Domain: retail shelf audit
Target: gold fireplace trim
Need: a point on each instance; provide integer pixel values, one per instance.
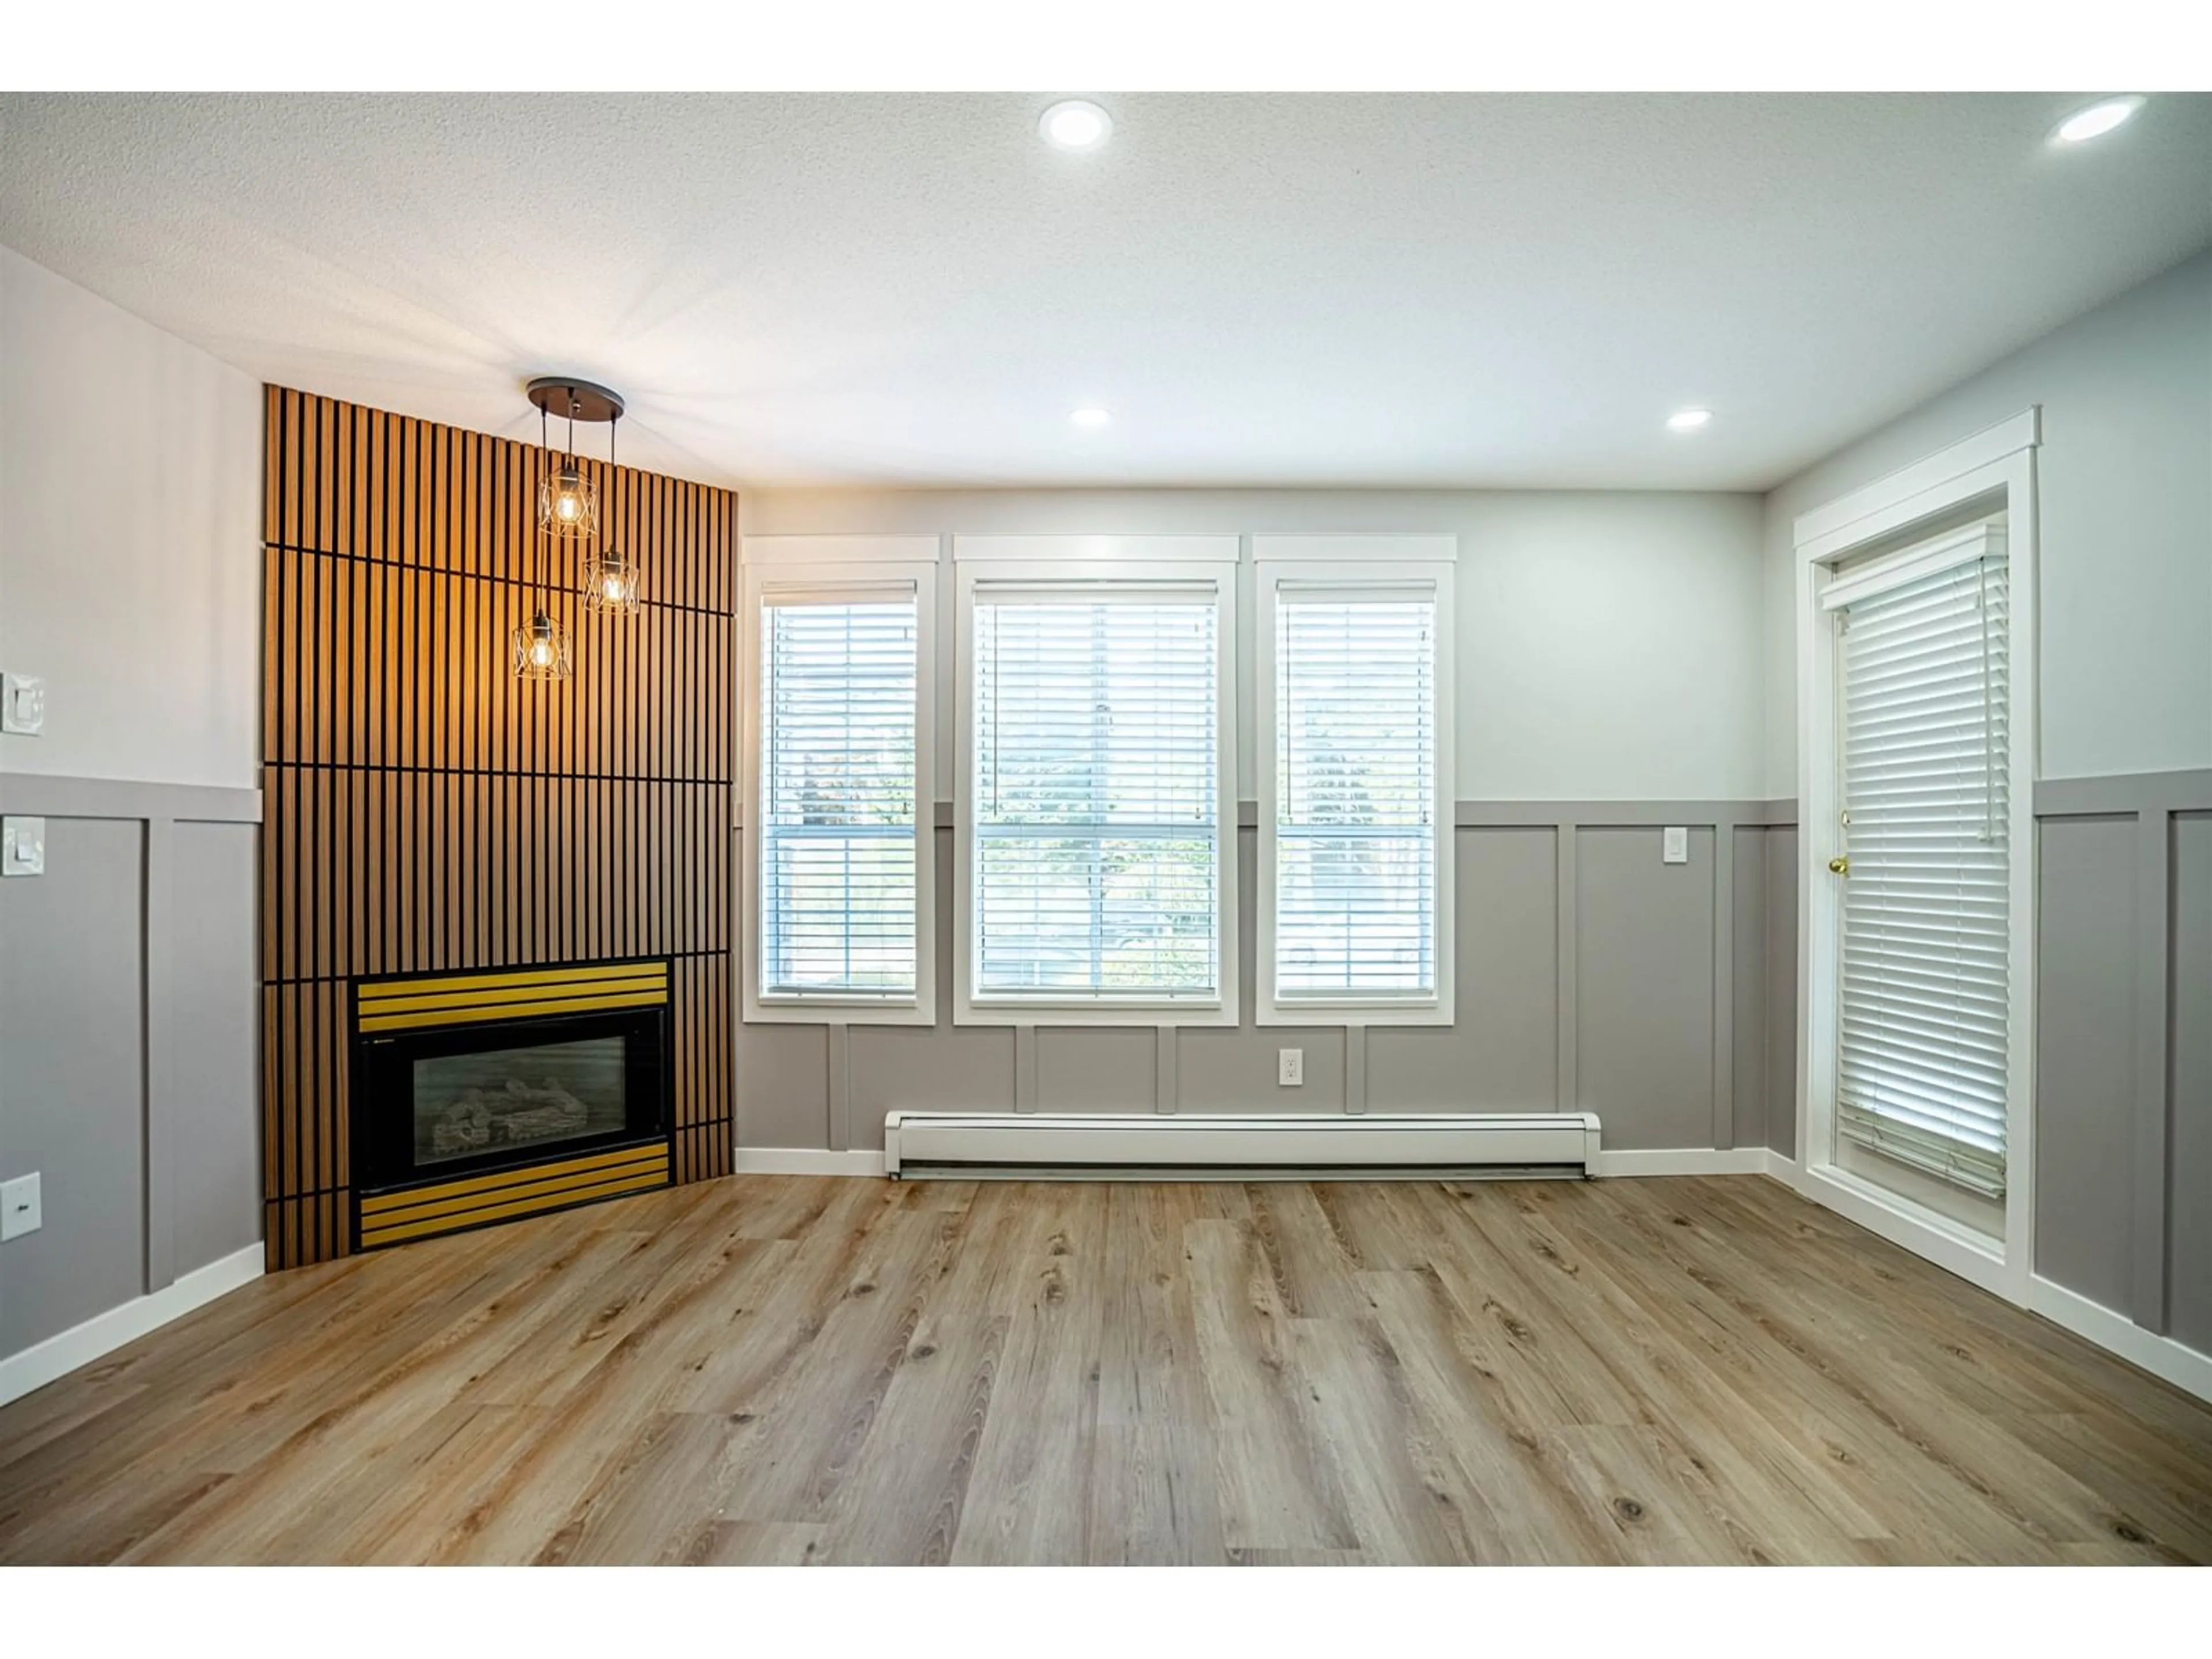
(451, 1205)
(466, 999)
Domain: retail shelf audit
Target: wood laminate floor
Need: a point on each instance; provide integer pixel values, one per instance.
(775, 1369)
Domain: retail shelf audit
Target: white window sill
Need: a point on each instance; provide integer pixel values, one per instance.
(1094, 1013)
(837, 1010)
(1422, 1012)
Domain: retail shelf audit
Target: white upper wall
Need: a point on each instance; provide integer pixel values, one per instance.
(129, 540)
(1608, 643)
(2123, 490)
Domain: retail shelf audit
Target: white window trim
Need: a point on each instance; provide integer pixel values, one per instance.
(1104, 550)
(1351, 560)
(825, 564)
(1997, 464)
(1046, 559)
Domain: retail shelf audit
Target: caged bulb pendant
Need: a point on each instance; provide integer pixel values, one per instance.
(610, 575)
(541, 649)
(610, 584)
(567, 506)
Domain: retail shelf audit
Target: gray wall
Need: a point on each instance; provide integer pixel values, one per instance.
(2124, 878)
(1608, 643)
(1607, 647)
(1590, 976)
(126, 1045)
(129, 540)
(2123, 508)
(2124, 1046)
(130, 579)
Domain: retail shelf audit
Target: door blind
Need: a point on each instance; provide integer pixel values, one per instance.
(1096, 793)
(1923, 1070)
(1355, 794)
(837, 796)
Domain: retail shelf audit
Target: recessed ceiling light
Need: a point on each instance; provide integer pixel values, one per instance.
(1075, 123)
(2097, 121)
(1688, 420)
(1091, 417)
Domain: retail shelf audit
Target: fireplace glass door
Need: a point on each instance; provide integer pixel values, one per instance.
(533, 1096)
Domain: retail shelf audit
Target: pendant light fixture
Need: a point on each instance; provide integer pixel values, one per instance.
(610, 574)
(568, 512)
(568, 501)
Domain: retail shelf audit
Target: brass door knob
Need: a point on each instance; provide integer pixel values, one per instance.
(1841, 866)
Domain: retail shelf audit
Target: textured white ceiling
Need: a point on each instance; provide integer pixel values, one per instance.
(1264, 289)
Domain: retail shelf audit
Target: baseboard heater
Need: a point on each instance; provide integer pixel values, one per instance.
(1369, 1147)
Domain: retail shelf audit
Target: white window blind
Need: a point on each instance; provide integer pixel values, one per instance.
(1923, 1067)
(837, 790)
(1355, 793)
(1096, 792)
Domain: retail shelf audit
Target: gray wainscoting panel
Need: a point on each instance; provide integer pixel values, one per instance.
(928, 1068)
(208, 1095)
(783, 1086)
(72, 1077)
(1225, 1071)
(1501, 1054)
(1747, 1080)
(2189, 1287)
(1094, 1068)
(2086, 1044)
(1781, 977)
(1644, 949)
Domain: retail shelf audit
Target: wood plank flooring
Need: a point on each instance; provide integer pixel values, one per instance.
(771, 1368)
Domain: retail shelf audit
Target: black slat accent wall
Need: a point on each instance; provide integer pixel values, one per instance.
(424, 809)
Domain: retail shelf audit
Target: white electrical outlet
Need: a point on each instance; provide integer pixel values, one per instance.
(1674, 844)
(23, 847)
(1291, 1067)
(19, 1206)
(22, 704)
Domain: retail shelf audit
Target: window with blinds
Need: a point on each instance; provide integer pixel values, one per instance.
(1096, 797)
(1355, 793)
(837, 794)
(1923, 1056)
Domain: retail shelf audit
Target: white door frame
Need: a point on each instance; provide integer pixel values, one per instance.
(1999, 463)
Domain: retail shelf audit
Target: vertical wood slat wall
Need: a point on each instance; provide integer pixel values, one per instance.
(425, 810)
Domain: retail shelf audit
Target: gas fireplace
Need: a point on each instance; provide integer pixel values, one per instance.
(483, 1098)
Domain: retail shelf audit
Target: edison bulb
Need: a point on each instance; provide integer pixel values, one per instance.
(611, 588)
(568, 507)
(541, 653)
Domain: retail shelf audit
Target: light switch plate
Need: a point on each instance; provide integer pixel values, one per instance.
(1291, 1067)
(23, 847)
(1674, 844)
(20, 1210)
(22, 704)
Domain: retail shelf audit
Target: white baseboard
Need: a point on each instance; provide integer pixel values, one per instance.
(1784, 1167)
(805, 1161)
(1690, 1160)
(2162, 1356)
(1683, 1161)
(57, 1356)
